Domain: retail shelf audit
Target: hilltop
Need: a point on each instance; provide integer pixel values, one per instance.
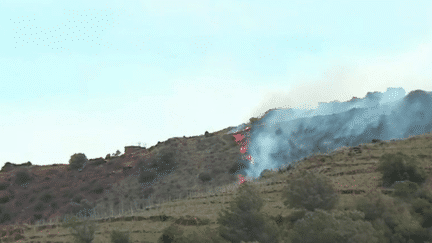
(196, 164)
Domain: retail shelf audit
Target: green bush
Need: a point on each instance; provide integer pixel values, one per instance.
(235, 167)
(97, 189)
(400, 167)
(77, 161)
(296, 215)
(120, 237)
(163, 162)
(54, 205)
(77, 199)
(423, 208)
(4, 199)
(117, 153)
(204, 177)
(98, 162)
(171, 234)
(310, 191)
(206, 235)
(243, 220)
(3, 186)
(372, 205)
(37, 216)
(39, 207)
(146, 176)
(82, 231)
(322, 226)
(22, 177)
(46, 198)
(32, 199)
(405, 189)
(266, 174)
(399, 219)
(5, 217)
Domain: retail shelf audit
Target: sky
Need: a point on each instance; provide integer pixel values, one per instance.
(93, 77)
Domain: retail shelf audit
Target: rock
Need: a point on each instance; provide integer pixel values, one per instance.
(8, 166)
(206, 134)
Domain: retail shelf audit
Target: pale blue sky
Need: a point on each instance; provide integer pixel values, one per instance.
(92, 77)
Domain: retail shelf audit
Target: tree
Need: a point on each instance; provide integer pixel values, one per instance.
(243, 221)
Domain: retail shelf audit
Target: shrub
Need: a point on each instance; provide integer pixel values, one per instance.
(296, 215)
(77, 161)
(54, 205)
(37, 216)
(403, 224)
(3, 186)
(77, 199)
(99, 162)
(286, 169)
(97, 189)
(117, 153)
(244, 222)
(81, 231)
(4, 199)
(400, 167)
(22, 177)
(146, 177)
(266, 173)
(310, 191)
(323, 226)
(235, 167)
(423, 208)
(204, 177)
(163, 162)
(405, 189)
(372, 205)
(171, 234)
(46, 198)
(120, 237)
(39, 207)
(205, 235)
(5, 217)
(83, 210)
(18, 203)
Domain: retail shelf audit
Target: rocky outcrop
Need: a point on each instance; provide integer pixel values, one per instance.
(10, 166)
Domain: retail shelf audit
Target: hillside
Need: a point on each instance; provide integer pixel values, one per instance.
(191, 169)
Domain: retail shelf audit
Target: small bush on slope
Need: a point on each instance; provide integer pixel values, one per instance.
(171, 234)
(175, 233)
(392, 216)
(120, 237)
(322, 226)
(243, 221)
(82, 232)
(77, 161)
(400, 167)
(310, 191)
(22, 177)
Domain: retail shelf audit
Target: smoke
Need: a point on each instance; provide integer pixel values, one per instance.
(283, 136)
